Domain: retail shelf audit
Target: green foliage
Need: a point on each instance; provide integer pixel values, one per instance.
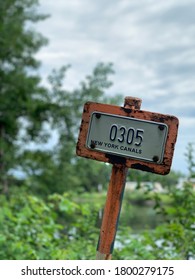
(32, 228)
(190, 160)
(60, 170)
(174, 237)
(65, 227)
(132, 246)
(38, 108)
(21, 96)
(178, 233)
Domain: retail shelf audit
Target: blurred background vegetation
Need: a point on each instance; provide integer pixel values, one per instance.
(50, 200)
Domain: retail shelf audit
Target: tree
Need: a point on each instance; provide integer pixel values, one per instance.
(190, 160)
(166, 181)
(26, 107)
(21, 96)
(59, 169)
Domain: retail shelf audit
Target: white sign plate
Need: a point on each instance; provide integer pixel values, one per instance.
(127, 137)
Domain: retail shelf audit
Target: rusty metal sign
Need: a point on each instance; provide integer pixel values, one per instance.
(126, 137)
(135, 138)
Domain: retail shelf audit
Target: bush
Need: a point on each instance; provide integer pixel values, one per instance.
(32, 228)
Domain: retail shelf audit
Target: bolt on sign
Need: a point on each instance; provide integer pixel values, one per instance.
(126, 137)
(136, 138)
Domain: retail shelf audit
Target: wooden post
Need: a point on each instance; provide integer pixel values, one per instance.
(114, 200)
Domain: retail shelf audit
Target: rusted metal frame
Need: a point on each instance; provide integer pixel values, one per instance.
(133, 112)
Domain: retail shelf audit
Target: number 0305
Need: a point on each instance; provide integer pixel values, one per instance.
(129, 136)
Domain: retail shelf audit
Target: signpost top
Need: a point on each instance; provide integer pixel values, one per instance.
(126, 135)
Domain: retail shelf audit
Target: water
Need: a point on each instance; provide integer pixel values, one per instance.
(138, 217)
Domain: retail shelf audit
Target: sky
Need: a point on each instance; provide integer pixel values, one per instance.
(150, 43)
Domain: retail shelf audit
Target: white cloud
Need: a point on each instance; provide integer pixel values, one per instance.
(151, 44)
